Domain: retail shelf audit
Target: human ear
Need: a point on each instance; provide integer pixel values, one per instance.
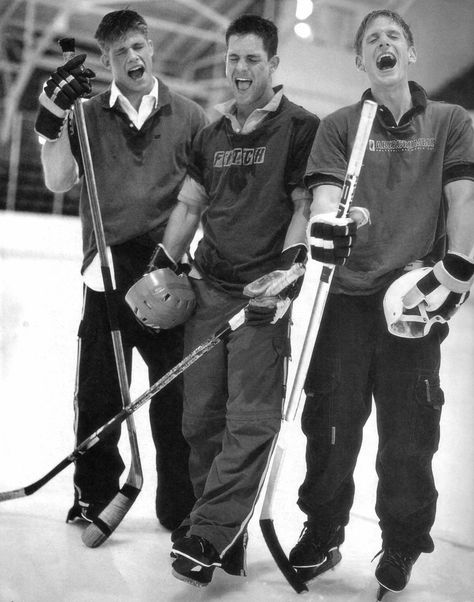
(359, 64)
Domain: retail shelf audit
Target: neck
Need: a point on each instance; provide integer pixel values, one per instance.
(397, 99)
(135, 97)
(243, 111)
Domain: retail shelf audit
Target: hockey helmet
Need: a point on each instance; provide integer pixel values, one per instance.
(409, 323)
(161, 299)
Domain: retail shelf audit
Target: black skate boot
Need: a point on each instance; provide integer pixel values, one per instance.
(394, 569)
(196, 559)
(316, 551)
(85, 512)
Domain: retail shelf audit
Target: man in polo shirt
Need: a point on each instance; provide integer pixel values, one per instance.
(375, 339)
(139, 133)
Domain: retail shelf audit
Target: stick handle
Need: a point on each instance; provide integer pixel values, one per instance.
(68, 48)
(369, 109)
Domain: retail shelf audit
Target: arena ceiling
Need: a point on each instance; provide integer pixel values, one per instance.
(189, 47)
(187, 36)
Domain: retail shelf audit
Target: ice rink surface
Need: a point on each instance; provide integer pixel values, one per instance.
(42, 559)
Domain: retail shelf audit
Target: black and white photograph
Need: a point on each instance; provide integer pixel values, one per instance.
(236, 321)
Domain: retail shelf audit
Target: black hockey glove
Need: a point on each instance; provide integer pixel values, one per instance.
(273, 293)
(68, 83)
(331, 238)
(444, 288)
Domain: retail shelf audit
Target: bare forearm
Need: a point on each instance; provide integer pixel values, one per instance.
(460, 223)
(296, 233)
(325, 199)
(182, 225)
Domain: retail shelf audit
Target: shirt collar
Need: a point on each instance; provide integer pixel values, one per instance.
(229, 108)
(418, 98)
(115, 93)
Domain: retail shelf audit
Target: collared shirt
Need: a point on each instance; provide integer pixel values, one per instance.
(229, 110)
(148, 103)
(92, 274)
(193, 193)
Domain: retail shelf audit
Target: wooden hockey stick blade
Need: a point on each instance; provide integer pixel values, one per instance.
(109, 519)
(269, 535)
(232, 324)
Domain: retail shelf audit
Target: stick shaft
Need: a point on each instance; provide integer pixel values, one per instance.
(106, 428)
(266, 517)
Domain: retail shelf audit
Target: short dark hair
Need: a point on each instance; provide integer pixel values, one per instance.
(263, 28)
(384, 12)
(118, 23)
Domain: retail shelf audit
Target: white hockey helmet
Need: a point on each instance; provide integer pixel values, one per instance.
(410, 323)
(161, 299)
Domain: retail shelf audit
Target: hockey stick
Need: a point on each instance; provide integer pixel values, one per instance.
(232, 324)
(134, 482)
(267, 527)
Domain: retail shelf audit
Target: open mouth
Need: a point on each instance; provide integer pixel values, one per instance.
(136, 72)
(243, 84)
(386, 61)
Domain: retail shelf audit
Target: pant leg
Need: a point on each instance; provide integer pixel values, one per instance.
(241, 434)
(174, 495)
(409, 401)
(205, 382)
(338, 403)
(97, 399)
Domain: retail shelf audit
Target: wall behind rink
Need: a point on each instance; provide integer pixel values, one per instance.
(40, 305)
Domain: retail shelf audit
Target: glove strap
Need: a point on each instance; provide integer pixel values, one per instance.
(455, 272)
(48, 125)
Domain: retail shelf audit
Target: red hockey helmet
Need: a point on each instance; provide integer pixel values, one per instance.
(161, 299)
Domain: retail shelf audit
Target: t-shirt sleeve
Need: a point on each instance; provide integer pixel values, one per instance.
(303, 137)
(327, 161)
(459, 157)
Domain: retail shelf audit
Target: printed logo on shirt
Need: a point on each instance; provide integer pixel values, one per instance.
(397, 146)
(240, 156)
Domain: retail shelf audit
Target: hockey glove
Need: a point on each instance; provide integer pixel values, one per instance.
(331, 238)
(272, 294)
(444, 288)
(68, 83)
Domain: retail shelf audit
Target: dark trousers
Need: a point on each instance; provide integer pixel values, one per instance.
(232, 414)
(357, 359)
(97, 399)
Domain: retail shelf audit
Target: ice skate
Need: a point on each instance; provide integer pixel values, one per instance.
(195, 560)
(316, 553)
(393, 570)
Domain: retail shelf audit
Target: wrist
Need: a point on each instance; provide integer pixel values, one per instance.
(48, 125)
(162, 259)
(296, 253)
(51, 106)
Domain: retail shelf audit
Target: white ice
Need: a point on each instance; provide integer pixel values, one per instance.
(42, 559)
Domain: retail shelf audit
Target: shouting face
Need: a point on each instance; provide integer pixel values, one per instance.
(130, 60)
(249, 72)
(386, 53)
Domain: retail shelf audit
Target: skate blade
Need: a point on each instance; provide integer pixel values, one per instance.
(308, 574)
(187, 579)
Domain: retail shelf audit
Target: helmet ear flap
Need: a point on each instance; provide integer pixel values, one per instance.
(161, 299)
(407, 323)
